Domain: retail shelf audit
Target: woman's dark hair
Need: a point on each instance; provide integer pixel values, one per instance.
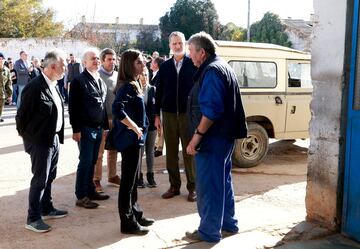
(127, 70)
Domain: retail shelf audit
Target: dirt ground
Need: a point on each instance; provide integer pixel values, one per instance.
(269, 201)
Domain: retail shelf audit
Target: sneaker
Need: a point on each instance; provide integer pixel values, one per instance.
(115, 180)
(98, 187)
(38, 226)
(86, 203)
(55, 214)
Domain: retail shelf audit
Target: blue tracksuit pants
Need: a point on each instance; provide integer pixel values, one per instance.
(215, 194)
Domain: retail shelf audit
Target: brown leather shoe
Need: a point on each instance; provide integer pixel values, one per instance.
(191, 196)
(99, 197)
(170, 193)
(115, 180)
(86, 203)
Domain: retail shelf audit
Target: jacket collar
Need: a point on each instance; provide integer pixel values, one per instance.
(202, 67)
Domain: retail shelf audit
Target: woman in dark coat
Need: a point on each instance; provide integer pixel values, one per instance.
(129, 113)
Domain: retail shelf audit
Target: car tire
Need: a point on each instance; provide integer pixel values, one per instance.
(250, 151)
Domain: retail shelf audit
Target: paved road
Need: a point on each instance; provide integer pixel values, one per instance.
(269, 202)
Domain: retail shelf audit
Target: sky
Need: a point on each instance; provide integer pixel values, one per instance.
(130, 11)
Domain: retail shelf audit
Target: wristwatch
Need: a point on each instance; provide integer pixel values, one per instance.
(199, 133)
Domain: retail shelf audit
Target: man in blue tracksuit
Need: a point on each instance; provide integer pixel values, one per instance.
(217, 118)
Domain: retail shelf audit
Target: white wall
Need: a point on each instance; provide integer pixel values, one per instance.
(327, 77)
(38, 47)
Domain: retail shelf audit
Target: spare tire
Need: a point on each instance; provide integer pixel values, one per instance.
(250, 151)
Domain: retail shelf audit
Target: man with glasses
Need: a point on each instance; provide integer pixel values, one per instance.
(88, 119)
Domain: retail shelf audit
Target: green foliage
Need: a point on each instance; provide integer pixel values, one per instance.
(230, 32)
(147, 41)
(190, 17)
(27, 18)
(270, 30)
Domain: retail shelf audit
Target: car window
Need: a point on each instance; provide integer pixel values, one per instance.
(255, 74)
(299, 75)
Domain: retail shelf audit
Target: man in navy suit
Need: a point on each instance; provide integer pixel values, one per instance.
(23, 70)
(40, 122)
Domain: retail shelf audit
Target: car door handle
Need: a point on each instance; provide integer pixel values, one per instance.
(293, 109)
(278, 100)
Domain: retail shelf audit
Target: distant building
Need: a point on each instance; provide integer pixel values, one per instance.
(299, 32)
(108, 33)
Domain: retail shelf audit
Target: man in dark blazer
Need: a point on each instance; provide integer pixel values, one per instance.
(40, 122)
(172, 90)
(88, 118)
(23, 70)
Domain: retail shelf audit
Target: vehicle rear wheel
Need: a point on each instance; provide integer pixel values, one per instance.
(250, 151)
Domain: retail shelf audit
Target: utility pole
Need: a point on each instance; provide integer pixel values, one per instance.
(248, 22)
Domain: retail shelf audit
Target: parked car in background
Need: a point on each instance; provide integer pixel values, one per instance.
(276, 92)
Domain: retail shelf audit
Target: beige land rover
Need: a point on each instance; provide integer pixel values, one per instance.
(276, 91)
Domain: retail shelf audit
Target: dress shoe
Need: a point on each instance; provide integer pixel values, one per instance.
(225, 233)
(193, 235)
(86, 203)
(192, 196)
(115, 180)
(145, 222)
(139, 230)
(140, 182)
(99, 197)
(170, 193)
(158, 153)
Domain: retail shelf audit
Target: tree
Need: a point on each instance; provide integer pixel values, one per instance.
(190, 17)
(230, 32)
(148, 42)
(27, 18)
(270, 30)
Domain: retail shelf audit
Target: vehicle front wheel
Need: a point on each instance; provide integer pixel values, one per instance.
(250, 151)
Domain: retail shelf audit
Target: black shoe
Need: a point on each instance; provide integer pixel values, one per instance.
(140, 182)
(99, 197)
(86, 203)
(157, 153)
(145, 222)
(1, 120)
(139, 230)
(151, 181)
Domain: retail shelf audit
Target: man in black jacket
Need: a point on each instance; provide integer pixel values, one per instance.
(40, 122)
(172, 90)
(88, 119)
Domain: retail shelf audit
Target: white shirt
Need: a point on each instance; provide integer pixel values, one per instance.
(154, 74)
(57, 100)
(96, 76)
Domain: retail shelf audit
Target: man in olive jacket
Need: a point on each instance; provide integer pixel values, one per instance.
(5, 85)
